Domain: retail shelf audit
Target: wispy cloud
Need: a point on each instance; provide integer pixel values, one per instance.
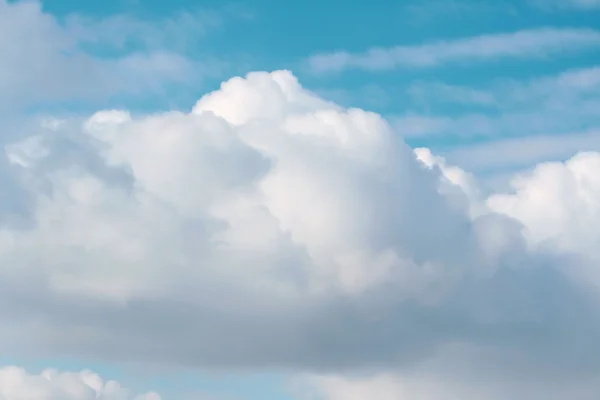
(420, 91)
(415, 125)
(549, 5)
(554, 104)
(173, 32)
(523, 123)
(46, 59)
(522, 44)
(522, 152)
(435, 11)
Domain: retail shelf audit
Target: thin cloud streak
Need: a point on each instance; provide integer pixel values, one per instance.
(522, 44)
(561, 5)
(522, 152)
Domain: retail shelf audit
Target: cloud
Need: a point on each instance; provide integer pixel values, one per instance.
(523, 152)
(17, 384)
(549, 5)
(451, 93)
(269, 228)
(551, 104)
(81, 59)
(508, 95)
(427, 385)
(556, 203)
(415, 125)
(546, 118)
(533, 43)
(177, 32)
(455, 176)
(436, 11)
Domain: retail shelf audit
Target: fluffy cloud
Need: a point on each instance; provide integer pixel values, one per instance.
(558, 205)
(258, 167)
(18, 384)
(268, 227)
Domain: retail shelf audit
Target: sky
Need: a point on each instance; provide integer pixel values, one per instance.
(299, 200)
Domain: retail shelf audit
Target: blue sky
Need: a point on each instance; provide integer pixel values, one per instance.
(495, 88)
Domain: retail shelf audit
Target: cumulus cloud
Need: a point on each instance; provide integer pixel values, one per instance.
(17, 384)
(558, 204)
(452, 177)
(268, 227)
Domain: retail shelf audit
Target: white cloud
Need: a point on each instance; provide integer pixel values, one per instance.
(558, 203)
(17, 384)
(422, 91)
(562, 5)
(415, 125)
(521, 44)
(544, 105)
(455, 176)
(553, 91)
(271, 228)
(523, 152)
(175, 32)
(47, 60)
(453, 11)
(544, 119)
(242, 157)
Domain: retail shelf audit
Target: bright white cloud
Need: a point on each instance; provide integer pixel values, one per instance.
(261, 153)
(558, 204)
(269, 227)
(521, 44)
(455, 177)
(17, 384)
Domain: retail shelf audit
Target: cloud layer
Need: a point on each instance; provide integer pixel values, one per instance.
(271, 228)
(18, 384)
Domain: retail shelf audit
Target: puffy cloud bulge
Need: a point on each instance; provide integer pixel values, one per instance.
(269, 227)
